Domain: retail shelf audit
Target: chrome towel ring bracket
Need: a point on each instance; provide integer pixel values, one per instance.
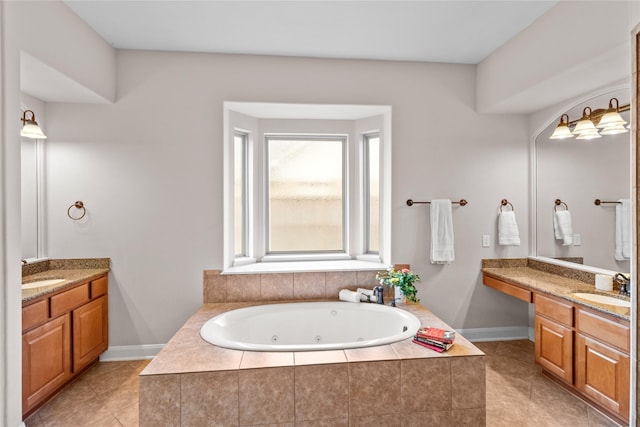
(559, 202)
(79, 205)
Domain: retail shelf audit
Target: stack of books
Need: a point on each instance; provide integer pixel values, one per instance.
(435, 338)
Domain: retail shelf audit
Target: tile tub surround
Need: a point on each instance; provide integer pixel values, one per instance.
(219, 288)
(74, 271)
(191, 382)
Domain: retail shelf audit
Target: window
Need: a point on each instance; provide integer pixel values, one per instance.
(240, 142)
(371, 149)
(306, 183)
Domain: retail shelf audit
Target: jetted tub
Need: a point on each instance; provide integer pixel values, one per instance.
(309, 326)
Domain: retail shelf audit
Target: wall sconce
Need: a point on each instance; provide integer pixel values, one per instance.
(585, 129)
(562, 131)
(30, 128)
(610, 123)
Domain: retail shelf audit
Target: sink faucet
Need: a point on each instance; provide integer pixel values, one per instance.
(378, 291)
(624, 282)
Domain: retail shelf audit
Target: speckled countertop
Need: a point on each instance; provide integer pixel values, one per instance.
(73, 271)
(536, 279)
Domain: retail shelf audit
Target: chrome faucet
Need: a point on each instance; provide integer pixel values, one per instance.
(624, 282)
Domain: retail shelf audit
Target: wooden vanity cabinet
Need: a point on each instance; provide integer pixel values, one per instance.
(554, 336)
(62, 335)
(602, 361)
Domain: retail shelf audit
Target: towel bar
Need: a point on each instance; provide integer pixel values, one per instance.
(598, 202)
(462, 202)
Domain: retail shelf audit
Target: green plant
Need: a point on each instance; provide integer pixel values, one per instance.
(403, 279)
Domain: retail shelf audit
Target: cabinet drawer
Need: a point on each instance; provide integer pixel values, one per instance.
(99, 287)
(69, 300)
(604, 329)
(554, 309)
(35, 314)
(507, 288)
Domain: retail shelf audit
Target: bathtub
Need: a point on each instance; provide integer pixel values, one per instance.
(309, 326)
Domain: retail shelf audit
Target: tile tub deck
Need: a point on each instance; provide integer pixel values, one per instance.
(191, 382)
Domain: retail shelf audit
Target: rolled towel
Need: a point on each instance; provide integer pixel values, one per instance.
(349, 296)
(365, 294)
(562, 225)
(508, 234)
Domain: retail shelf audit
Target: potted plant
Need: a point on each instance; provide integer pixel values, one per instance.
(402, 281)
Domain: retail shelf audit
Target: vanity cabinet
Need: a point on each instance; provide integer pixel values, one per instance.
(62, 334)
(554, 336)
(585, 349)
(602, 361)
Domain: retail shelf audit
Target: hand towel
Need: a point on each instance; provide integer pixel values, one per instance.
(508, 234)
(442, 251)
(562, 227)
(349, 296)
(623, 230)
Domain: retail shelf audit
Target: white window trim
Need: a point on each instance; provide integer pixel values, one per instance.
(355, 258)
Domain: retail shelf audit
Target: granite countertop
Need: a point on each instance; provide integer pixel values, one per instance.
(73, 271)
(557, 285)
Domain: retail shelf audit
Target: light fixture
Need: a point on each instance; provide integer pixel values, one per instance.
(611, 122)
(562, 131)
(30, 128)
(585, 129)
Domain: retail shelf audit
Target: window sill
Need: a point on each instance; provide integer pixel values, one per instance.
(305, 267)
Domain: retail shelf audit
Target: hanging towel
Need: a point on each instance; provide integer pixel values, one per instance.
(441, 232)
(508, 234)
(562, 227)
(623, 230)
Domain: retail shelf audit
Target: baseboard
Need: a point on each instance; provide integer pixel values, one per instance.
(498, 334)
(131, 352)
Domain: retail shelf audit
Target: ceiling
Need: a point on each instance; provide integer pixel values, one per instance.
(463, 32)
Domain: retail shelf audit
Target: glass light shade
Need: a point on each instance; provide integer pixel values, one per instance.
(31, 130)
(611, 118)
(585, 125)
(614, 130)
(589, 135)
(562, 132)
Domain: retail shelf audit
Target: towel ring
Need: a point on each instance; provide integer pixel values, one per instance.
(559, 202)
(80, 206)
(505, 202)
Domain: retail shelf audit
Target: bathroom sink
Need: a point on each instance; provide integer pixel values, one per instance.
(41, 283)
(602, 299)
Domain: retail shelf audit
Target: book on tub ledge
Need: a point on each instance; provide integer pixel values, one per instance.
(435, 338)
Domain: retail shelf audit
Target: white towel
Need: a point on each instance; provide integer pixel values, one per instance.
(623, 230)
(349, 296)
(366, 295)
(441, 232)
(562, 227)
(508, 234)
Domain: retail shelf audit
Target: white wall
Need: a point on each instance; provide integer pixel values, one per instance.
(573, 48)
(149, 170)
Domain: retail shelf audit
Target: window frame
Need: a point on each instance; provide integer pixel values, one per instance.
(258, 119)
(366, 191)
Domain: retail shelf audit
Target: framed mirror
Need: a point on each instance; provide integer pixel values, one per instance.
(577, 172)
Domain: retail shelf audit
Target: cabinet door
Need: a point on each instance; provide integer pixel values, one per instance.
(46, 360)
(90, 332)
(602, 374)
(554, 348)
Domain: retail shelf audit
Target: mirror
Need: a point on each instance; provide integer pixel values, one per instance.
(578, 172)
(32, 184)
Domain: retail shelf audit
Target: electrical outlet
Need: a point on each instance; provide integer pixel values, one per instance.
(577, 239)
(486, 241)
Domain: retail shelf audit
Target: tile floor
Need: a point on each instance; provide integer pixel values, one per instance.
(517, 395)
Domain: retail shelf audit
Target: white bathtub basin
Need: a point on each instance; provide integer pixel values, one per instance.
(309, 326)
(602, 299)
(41, 283)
